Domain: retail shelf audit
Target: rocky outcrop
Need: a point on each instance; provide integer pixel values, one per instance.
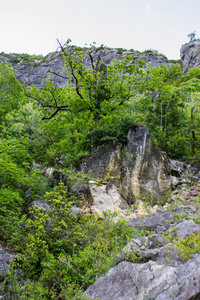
(124, 174)
(120, 174)
(137, 168)
(150, 267)
(129, 281)
(190, 55)
(35, 70)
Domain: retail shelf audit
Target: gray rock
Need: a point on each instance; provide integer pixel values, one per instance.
(138, 167)
(54, 176)
(190, 55)
(132, 281)
(144, 249)
(5, 260)
(157, 222)
(40, 204)
(35, 71)
(185, 228)
(76, 210)
(81, 190)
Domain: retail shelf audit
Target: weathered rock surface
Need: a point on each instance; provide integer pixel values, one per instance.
(190, 55)
(34, 72)
(7, 256)
(154, 247)
(152, 267)
(121, 174)
(5, 259)
(106, 199)
(133, 281)
(149, 267)
(157, 222)
(135, 168)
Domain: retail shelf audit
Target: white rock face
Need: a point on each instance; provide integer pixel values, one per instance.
(105, 199)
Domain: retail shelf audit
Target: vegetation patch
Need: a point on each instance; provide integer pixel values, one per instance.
(61, 253)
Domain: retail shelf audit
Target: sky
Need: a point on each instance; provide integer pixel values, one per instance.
(33, 26)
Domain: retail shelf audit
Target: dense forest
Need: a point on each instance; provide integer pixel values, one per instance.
(59, 253)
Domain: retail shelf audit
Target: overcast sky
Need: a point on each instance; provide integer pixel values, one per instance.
(33, 26)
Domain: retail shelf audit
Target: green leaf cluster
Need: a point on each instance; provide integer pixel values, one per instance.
(64, 252)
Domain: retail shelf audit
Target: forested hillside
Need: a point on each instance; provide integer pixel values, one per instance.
(60, 253)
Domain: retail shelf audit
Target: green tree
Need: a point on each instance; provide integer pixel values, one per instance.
(192, 36)
(89, 102)
(159, 107)
(16, 173)
(11, 92)
(190, 91)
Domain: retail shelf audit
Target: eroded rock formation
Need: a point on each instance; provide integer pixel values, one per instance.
(35, 71)
(129, 281)
(150, 267)
(135, 168)
(120, 174)
(190, 55)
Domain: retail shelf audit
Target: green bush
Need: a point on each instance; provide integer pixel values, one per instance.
(66, 253)
(189, 246)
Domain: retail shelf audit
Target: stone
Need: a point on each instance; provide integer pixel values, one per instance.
(5, 259)
(35, 71)
(185, 228)
(149, 267)
(190, 55)
(157, 222)
(54, 176)
(133, 281)
(153, 247)
(40, 204)
(105, 199)
(137, 168)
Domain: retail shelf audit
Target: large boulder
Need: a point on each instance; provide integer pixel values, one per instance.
(135, 168)
(133, 281)
(121, 174)
(152, 267)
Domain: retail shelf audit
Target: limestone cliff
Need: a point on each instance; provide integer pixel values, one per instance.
(35, 70)
(190, 55)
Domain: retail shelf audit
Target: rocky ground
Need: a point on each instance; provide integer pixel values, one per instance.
(153, 267)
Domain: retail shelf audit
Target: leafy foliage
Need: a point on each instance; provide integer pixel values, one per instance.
(192, 36)
(62, 253)
(65, 250)
(189, 246)
(10, 91)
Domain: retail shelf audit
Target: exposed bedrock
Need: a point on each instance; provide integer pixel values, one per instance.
(135, 168)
